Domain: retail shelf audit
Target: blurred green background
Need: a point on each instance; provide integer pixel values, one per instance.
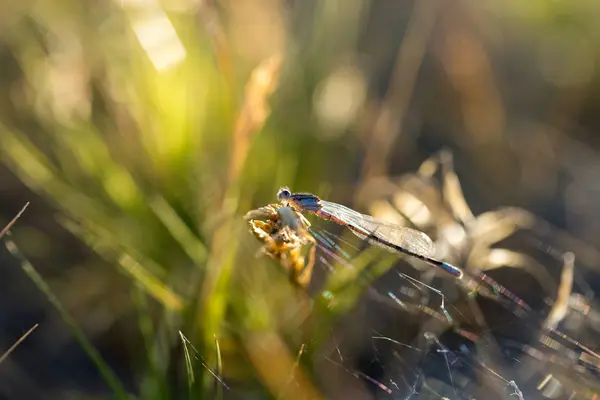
(142, 131)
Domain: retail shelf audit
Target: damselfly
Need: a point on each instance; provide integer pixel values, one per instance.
(392, 237)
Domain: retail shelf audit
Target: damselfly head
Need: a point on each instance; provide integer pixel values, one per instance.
(284, 193)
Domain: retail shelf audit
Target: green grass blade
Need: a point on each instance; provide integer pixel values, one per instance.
(193, 247)
(153, 383)
(133, 268)
(107, 373)
(188, 362)
(219, 383)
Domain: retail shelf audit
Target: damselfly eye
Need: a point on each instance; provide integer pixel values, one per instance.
(284, 193)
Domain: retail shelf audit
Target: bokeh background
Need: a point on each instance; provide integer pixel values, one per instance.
(142, 131)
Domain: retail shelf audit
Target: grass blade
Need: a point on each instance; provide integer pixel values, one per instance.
(12, 221)
(153, 383)
(18, 342)
(107, 373)
(219, 383)
(132, 267)
(189, 242)
(188, 362)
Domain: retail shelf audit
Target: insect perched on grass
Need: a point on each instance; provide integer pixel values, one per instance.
(389, 236)
(284, 231)
(284, 234)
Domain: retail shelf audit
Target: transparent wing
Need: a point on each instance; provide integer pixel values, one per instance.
(410, 239)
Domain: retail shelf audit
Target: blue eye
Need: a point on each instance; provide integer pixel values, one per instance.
(284, 193)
